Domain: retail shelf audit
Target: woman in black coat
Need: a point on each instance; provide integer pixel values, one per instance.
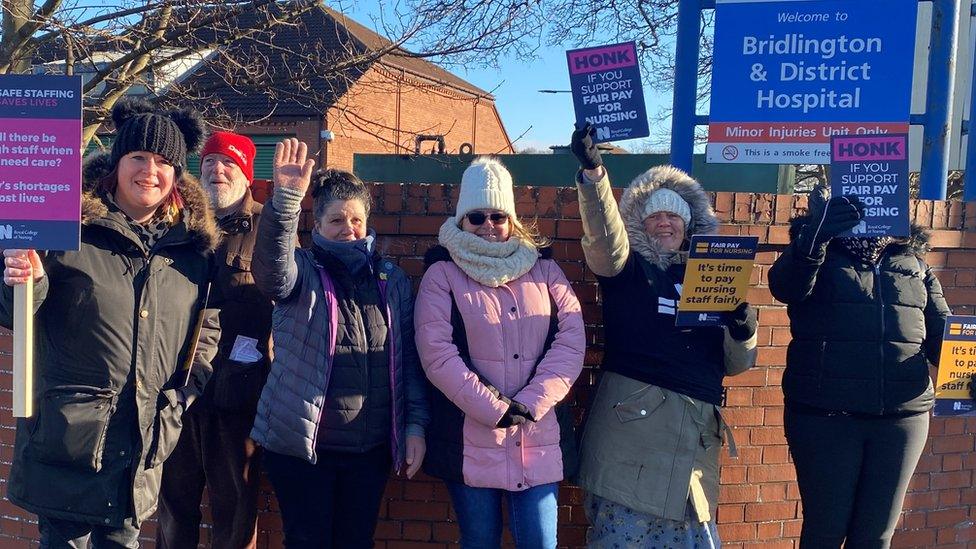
(867, 317)
(115, 357)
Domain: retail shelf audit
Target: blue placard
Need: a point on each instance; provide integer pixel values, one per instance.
(607, 91)
(788, 74)
(875, 169)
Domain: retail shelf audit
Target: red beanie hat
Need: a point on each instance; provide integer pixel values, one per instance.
(237, 147)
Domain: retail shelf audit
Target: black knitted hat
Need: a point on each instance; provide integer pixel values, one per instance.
(142, 127)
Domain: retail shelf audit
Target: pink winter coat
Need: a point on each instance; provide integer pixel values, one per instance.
(506, 331)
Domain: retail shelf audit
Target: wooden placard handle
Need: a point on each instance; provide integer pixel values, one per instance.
(23, 383)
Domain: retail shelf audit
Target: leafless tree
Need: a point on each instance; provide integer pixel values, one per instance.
(652, 24)
(146, 46)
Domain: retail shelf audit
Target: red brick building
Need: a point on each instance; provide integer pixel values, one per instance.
(377, 105)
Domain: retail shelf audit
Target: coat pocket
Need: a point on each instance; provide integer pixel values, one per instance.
(238, 385)
(71, 426)
(166, 428)
(641, 404)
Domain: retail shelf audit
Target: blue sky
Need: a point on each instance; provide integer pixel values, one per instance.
(534, 119)
(545, 119)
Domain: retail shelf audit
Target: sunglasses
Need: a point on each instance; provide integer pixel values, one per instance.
(478, 218)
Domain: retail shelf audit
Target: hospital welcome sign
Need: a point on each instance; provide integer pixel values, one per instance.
(789, 74)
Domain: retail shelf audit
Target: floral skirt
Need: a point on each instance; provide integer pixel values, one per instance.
(616, 526)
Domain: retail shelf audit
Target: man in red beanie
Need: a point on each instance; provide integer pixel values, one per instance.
(214, 449)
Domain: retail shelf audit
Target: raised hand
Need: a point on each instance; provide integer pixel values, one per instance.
(584, 148)
(20, 266)
(292, 166)
(830, 219)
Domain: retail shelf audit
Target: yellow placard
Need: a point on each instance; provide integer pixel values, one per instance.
(957, 367)
(716, 278)
(715, 284)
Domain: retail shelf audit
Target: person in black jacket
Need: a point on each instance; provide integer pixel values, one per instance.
(867, 316)
(124, 339)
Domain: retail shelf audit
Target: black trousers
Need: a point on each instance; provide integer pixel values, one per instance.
(853, 473)
(213, 451)
(65, 534)
(332, 504)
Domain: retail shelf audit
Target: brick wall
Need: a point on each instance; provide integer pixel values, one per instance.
(759, 502)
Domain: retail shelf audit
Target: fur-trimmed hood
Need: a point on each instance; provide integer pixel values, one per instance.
(703, 220)
(198, 216)
(918, 241)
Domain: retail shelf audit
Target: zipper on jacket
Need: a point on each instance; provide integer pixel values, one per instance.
(881, 308)
(384, 288)
(366, 362)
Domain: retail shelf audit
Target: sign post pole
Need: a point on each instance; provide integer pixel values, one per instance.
(939, 96)
(685, 93)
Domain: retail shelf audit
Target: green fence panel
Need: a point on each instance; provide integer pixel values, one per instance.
(558, 170)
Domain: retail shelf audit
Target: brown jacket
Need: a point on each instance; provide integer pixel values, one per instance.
(244, 313)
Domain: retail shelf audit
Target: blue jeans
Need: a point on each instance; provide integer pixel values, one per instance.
(532, 516)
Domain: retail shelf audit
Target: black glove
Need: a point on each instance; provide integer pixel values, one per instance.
(741, 322)
(829, 219)
(493, 390)
(584, 148)
(517, 414)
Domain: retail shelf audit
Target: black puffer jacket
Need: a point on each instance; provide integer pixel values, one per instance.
(114, 327)
(356, 414)
(861, 333)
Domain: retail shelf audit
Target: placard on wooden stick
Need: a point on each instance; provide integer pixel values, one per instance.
(40, 190)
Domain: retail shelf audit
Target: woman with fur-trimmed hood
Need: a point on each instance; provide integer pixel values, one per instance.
(649, 455)
(867, 317)
(117, 359)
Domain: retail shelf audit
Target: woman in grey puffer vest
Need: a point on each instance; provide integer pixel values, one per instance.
(345, 398)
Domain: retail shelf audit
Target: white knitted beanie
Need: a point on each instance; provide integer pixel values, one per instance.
(666, 200)
(485, 185)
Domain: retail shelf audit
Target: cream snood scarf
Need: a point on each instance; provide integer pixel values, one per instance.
(490, 263)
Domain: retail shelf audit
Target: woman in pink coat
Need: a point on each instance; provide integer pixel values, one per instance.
(500, 336)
